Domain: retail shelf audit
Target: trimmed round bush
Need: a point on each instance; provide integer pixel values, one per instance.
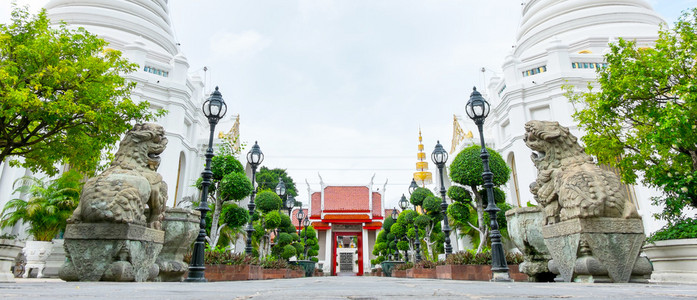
(268, 201)
(418, 196)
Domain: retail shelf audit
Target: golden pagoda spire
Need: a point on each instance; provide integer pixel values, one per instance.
(422, 176)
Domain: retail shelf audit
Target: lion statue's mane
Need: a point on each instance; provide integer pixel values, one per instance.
(569, 184)
(121, 193)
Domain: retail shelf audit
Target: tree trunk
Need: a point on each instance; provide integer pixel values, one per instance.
(480, 218)
(215, 219)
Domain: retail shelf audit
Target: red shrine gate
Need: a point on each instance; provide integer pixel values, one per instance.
(346, 211)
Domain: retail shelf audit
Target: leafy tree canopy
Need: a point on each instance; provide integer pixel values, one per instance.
(644, 116)
(223, 164)
(63, 97)
(267, 201)
(233, 215)
(418, 196)
(267, 179)
(235, 186)
(467, 167)
(459, 194)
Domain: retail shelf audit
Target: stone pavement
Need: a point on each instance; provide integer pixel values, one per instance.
(318, 288)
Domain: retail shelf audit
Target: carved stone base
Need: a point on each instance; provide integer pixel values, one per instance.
(181, 228)
(594, 249)
(111, 252)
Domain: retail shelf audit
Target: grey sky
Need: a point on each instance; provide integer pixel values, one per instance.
(342, 87)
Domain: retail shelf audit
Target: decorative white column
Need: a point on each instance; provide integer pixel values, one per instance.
(328, 259)
(365, 248)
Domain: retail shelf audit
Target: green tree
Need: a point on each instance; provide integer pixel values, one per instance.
(466, 170)
(62, 95)
(643, 118)
(267, 179)
(50, 204)
(229, 183)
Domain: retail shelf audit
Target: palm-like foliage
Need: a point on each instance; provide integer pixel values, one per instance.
(50, 203)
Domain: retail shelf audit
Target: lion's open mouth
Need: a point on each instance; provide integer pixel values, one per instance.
(154, 154)
(537, 155)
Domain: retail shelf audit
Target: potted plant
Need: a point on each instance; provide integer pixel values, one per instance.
(307, 257)
(672, 252)
(470, 265)
(9, 248)
(423, 269)
(223, 265)
(49, 205)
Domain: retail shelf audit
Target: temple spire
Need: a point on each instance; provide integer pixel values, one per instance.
(422, 176)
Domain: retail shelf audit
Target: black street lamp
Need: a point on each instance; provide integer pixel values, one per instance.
(413, 186)
(404, 204)
(477, 109)
(306, 223)
(300, 215)
(417, 243)
(394, 216)
(214, 109)
(439, 157)
(290, 202)
(254, 158)
(281, 189)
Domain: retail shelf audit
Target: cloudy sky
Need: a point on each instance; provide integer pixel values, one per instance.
(341, 87)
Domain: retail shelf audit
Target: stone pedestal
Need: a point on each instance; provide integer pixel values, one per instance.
(8, 252)
(525, 231)
(181, 228)
(594, 249)
(111, 252)
(56, 260)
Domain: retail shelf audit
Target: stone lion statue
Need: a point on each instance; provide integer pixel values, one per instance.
(121, 193)
(569, 184)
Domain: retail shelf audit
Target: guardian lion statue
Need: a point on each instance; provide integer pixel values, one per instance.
(121, 193)
(569, 184)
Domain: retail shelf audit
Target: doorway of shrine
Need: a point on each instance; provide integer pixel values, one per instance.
(347, 258)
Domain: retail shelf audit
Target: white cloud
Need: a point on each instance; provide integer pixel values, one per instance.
(238, 45)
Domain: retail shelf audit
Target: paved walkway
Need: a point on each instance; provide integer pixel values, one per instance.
(357, 288)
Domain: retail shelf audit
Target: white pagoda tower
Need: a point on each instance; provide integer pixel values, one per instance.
(559, 43)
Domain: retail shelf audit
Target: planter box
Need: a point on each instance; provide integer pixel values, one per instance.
(399, 273)
(294, 273)
(273, 273)
(673, 260)
(232, 272)
(422, 273)
(475, 272)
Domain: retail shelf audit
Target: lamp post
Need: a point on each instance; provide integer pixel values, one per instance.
(214, 109)
(417, 243)
(439, 157)
(290, 203)
(404, 204)
(254, 158)
(477, 109)
(300, 215)
(306, 223)
(281, 189)
(413, 186)
(394, 216)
